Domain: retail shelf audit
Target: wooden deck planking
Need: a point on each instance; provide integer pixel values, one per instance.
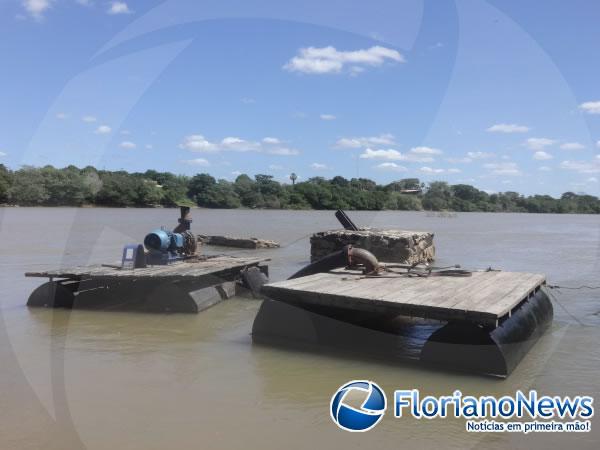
(439, 297)
(415, 293)
(511, 290)
(311, 280)
(340, 286)
(504, 306)
(484, 297)
(472, 293)
(181, 270)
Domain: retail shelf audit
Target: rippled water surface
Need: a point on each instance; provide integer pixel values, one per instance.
(108, 380)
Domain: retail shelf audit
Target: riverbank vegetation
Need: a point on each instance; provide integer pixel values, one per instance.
(71, 186)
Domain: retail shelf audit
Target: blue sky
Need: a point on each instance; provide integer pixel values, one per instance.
(503, 95)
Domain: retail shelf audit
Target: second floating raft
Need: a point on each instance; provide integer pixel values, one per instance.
(489, 320)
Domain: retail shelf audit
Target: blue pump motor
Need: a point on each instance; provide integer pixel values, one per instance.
(164, 246)
(163, 241)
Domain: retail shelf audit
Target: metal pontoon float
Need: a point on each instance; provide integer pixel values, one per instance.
(487, 321)
(164, 274)
(187, 286)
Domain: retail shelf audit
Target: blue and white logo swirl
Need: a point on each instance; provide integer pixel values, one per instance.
(358, 405)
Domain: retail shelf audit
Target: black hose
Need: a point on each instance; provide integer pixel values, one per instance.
(325, 264)
(348, 256)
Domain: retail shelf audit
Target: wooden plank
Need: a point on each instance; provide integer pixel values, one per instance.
(505, 305)
(483, 282)
(225, 266)
(307, 281)
(449, 291)
(339, 285)
(482, 298)
(422, 290)
(425, 299)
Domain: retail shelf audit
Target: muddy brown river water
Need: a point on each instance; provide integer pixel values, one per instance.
(108, 380)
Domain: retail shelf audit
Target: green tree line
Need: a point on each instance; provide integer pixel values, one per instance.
(72, 186)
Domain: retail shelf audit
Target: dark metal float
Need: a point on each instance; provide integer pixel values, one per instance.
(165, 274)
(480, 321)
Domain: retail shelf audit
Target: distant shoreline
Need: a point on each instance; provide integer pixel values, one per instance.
(91, 188)
(441, 213)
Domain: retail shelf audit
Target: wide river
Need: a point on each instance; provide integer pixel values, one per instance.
(114, 380)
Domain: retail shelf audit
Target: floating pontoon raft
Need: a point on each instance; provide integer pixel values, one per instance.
(490, 319)
(188, 286)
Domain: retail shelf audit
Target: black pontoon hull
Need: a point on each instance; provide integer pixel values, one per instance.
(460, 346)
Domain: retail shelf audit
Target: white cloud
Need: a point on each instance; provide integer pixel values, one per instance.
(196, 162)
(275, 167)
(390, 166)
(508, 168)
(542, 155)
(324, 60)
(283, 151)
(480, 155)
(36, 8)
(61, 115)
(544, 169)
(592, 180)
(319, 166)
(119, 8)
(125, 132)
(88, 119)
(127, 145)
(327, 117)
(198, 143)
(425, 151)
(538, 143)
(430, 170)
(3, 154)
(591, 107)
(598, 144)
(508, 128)
(239, 145)
(382, 154)
(149, 146)
(393, 155)
(454, 170)
(416, 154)
(236, 173)
(247, 100)
(572, 146)
(271, 140)
(232, 141)
(358, 142)
(582, 166)
(103, 129)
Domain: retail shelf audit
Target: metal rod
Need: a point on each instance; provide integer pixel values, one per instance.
(345, 220)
